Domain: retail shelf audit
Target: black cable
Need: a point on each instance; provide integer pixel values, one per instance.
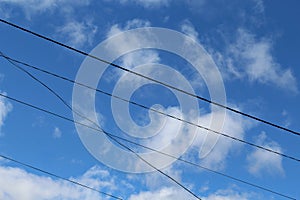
(46, 86)
(151, 79)
(169, 155)
(78, 113)
(112, 137)
(57, 176)
(139, 105)
(148, 163)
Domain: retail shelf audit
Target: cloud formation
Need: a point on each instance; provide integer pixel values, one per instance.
(134, 58)
(234, 126)
(31, 7)
(77, 34)
(16, 183)
(252, 58)
(5, 108)
(262, 162)
(228, 194)
(166, 193)
(148, 3)
(56, 133)
(188, 28)
(172, 193)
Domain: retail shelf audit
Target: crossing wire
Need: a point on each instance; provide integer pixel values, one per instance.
(114, 139)
(11, 60)
(149, 148)
(151, 79)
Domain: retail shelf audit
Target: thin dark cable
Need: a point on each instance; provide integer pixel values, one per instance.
(151, 79)
(59, 177)
(78, 113)
(46, 86)
(148, 163)
(202, 167)
(115, 136)
(143, 106)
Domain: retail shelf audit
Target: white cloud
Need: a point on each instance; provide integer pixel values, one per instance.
(134, 58)
(259, 6)
(155, 180)
(252, 58)
(77, 34)
(234, 126)
(16, 183)
(31, 7)
(74, 33)
(5, 11)
(227, 194)
(131, 24)
(5, 108)
(172, 193)
(286, 118)
(188, 28)
(56, 133)
(262, 162)
(166, 193)
(148, 3)
(137, 58)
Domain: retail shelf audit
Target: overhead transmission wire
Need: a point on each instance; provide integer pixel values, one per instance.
(149, 78)
(146, 147)
(114, 139)
(11, 60)
(112, 136)
(55, 175)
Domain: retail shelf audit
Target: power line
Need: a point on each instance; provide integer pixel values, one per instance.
(11, 60)
(113, 137)
(151, 79)
(46, 86)
(169, 155)
(151, 165)
(57, 176)
(78, 113)
(172, 87)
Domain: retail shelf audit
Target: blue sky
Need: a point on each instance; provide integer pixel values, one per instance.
(255, 46)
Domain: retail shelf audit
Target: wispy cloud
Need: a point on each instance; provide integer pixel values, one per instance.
(188, 28)
(32, 7)
(261, 162)
(148, 3)
(57, 133)
(228, 194)
(16, 183)
(134, 58)
(170, 193)
(5, 108)
(131, 24)
(215, 156)
(77, 34)
(166, 193)
(252, 58)
(259, 6)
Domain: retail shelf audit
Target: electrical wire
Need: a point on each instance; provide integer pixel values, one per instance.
(151, 79)
(201, 98)
(114, 139)
(11, 60)
(149, 148)
(57, 176)
(109, 135)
